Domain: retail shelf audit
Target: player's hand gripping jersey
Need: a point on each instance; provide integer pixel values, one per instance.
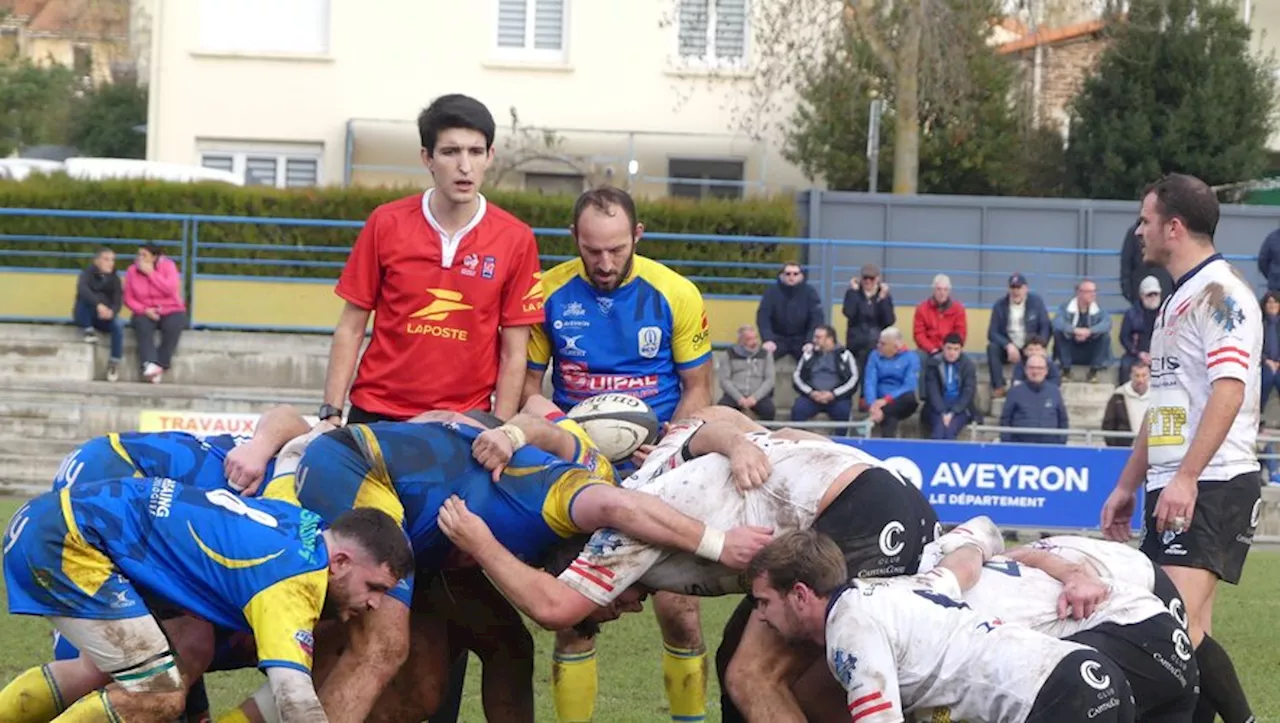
(91, 550)
(1209, 328)
(184, 458)
(634, 339)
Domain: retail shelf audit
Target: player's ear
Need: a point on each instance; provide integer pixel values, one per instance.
(340, 562)
(638, 232)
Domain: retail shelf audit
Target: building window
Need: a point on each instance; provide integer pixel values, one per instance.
(82, 60)
(713, 32)
(257, 168)
(531, 29)
(694, 178)
(287, 27)
(551, 184)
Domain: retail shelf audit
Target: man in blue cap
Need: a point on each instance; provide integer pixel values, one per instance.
(1018, 316)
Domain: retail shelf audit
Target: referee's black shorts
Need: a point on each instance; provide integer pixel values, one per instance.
(1221, 532)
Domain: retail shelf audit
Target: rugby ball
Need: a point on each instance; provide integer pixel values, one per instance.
(617, 423)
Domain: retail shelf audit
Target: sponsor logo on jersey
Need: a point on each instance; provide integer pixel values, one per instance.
(121, 600)
(704, 330)
(579, 381)
(649, 341)
(573, 309)
(469, 264)
(891, 542)
(1091, 672)
(1226, 312)
(845, 664)
(1182, 644)
(490, 268)
(1176, 549)
(306, 641)
(308, 532)
(161, 498)
(571, 347)
(443, 307)
(533, 298)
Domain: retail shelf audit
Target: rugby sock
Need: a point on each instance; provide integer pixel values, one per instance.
(197, 710)
(32, 697)
(684, 672)
(1220, 688)
(235, 716)
(573, 686)
(93, 708)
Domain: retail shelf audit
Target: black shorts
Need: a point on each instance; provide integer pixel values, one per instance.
(1169, 595)
(1157, 659)
(881, 523)
(1085, 686)
(1221, 533)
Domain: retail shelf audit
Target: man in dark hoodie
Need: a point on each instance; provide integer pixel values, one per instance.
(1135, 329)
(1034, 404)
(1133, 269)
(1269, 260)
(99, 295)
(950, 387)
(789, 312)
(869, 308)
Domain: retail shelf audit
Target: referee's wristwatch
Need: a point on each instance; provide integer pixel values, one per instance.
(328, 410)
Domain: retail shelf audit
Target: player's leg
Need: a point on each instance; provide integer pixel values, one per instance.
(573, 677)
(821, 696)
(1156, 658)
(684, 657)
(415, 692)
(138, 656)
(378, 644)
(1085, 686)
(760, 673)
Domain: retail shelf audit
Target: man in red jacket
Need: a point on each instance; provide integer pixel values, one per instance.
(938, 316)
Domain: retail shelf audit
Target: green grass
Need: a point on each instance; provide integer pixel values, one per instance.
(630, 652)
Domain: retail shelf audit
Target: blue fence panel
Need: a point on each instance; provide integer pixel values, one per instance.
(1016, 485)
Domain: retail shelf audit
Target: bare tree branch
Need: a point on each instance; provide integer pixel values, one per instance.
(863, 19)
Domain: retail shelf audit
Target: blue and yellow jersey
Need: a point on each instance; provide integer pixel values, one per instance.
(634, 339)
(91, 550)
(187, 459)
(408, 470)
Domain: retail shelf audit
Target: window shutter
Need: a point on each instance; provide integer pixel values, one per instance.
(259, 171)
(694, 19)
(512, 20)
(548, 25)
(300, 172)
(731, 29)
(218, 162)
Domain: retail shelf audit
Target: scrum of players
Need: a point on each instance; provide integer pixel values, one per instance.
(316, 555)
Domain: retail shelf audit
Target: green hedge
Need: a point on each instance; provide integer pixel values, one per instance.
(764, 217)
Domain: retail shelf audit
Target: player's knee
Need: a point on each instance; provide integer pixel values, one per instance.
(570, 642)
(169, 705)
(679, 619)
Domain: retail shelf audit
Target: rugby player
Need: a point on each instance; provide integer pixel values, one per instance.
(102, 559)
(1197, 453)
(1038, 587)
(407, 470)
(619, 322)
(907, 646)
(881, 523)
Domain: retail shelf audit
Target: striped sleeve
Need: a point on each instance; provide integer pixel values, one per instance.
(1230, 327)
(861, 658)
(610, 563)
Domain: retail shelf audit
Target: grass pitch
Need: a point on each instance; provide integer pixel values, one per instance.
(630, 652)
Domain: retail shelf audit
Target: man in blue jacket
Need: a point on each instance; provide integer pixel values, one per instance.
(1082, 331)
(789, 312)
(1034, 404)
(1015, 319)
(950, 384)
(893, 375)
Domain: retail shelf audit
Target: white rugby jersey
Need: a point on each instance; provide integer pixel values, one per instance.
(1209, 328)
(904, 648)
(702, 488)
(1113, 561)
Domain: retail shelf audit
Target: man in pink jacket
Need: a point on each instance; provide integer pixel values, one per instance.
(153, 292)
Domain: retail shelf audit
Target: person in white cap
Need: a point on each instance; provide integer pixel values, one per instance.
(1135, 330)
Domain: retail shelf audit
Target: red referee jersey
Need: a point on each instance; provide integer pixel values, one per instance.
(435, 326)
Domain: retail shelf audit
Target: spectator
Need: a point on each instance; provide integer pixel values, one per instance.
(1133, 269)
(950, 387)
(938, 316)
(825, 378)
(1036, 345)
(1135, 329)
(869, 309)
(1270, 346)
(98, 299)
(893, 375)
(1269, 260)
(789, 312)
(153, 292)
(1034, 404)
(1019, 316)
(1082, 331)
(746, 376)
(1127, 407)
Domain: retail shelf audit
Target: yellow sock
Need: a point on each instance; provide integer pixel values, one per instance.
(32, 697)
(684, 672)
(93, 708)
(573, 686)
(235, 716)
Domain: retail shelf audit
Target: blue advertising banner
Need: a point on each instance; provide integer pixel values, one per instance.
(1016, 485)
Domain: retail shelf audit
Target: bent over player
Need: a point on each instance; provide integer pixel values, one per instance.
(95, 558)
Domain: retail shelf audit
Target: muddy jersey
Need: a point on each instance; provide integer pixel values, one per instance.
(703, 488)
(1113, 561)
(903, 647)
(1209, 328)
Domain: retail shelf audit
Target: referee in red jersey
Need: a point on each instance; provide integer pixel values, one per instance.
(453, 283)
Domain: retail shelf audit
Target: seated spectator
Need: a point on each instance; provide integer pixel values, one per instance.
(1135, 329)
(1082, 331)
(1127, 407)
(869, 309)
(746, 376)
(938, 316)
(153, 292)
(824, 379)
(789, 312)
(1270, 346)
(97, 307)
(950, 388)
(1034, 404)
(1015, 319)
(893, 375)
(1036, 345)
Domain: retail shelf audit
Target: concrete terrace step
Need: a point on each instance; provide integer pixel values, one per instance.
(26, 475)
